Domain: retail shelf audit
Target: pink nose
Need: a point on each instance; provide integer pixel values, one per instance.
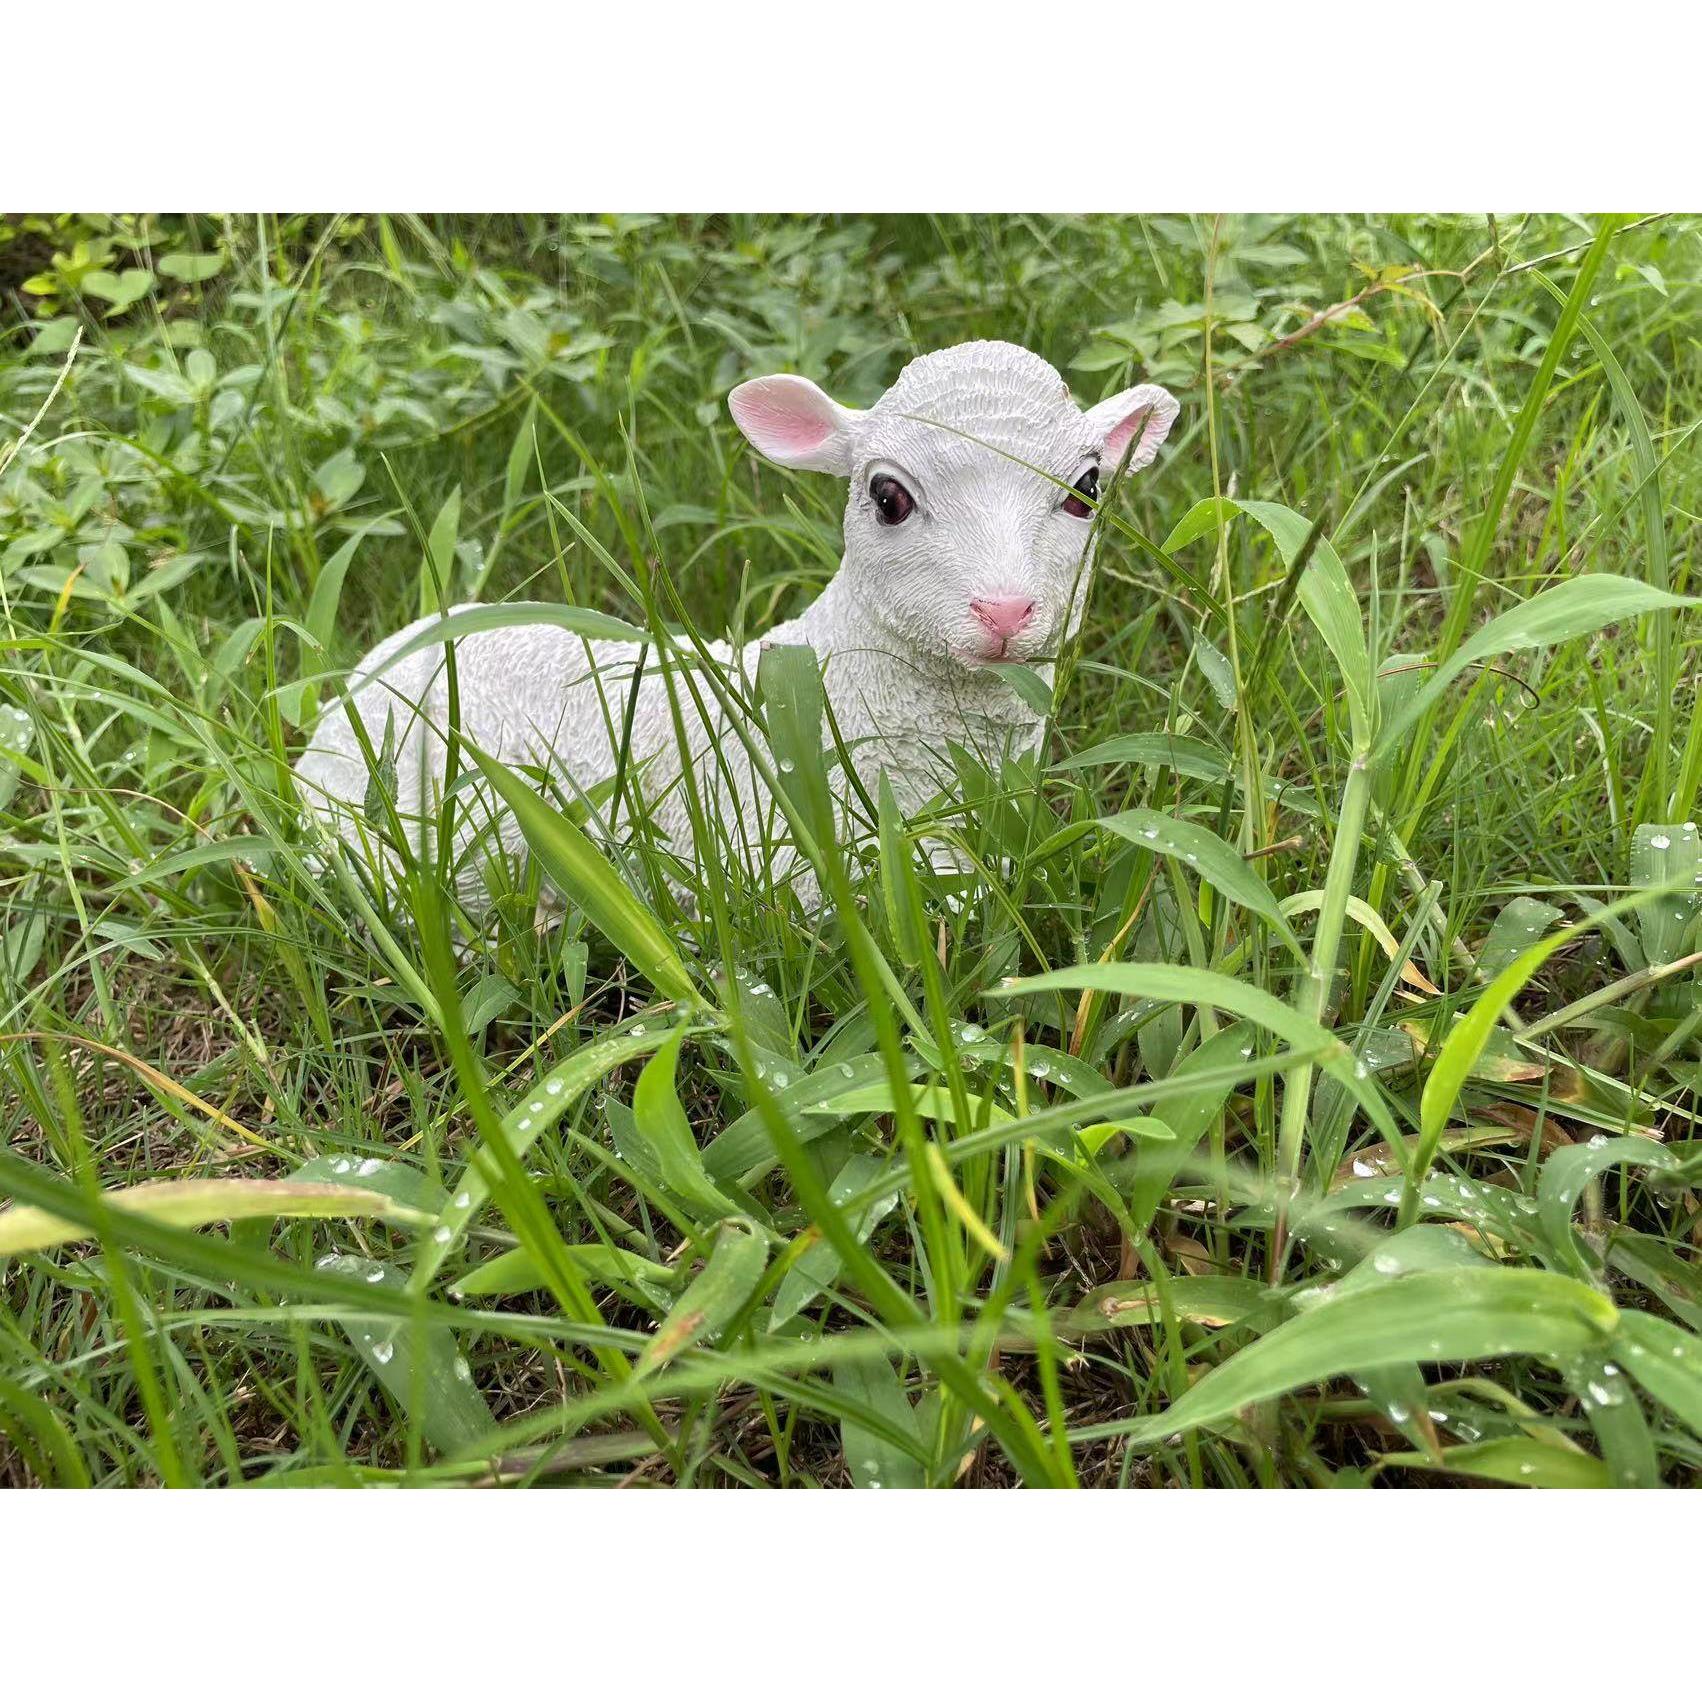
(1004, 617)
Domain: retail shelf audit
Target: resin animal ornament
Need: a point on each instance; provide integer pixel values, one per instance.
(968, 540)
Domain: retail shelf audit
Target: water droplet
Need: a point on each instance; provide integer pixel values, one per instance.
(370, 1167)
(383, 1352)
(1659, 841)
(781, 1078)
(462, 1200)
(375, 1275)
(786, 765)
(638, 1030)
(1361, 1168)
(524, 1124)
(442, 1234)
(972, 1032)
(761, 989)
(342, 1167)
(1598, 1140)
(553, 1086)
(846, 1071)
(1386, 1263)
(462, 1369)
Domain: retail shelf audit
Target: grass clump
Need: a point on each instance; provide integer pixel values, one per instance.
(1299, 1087)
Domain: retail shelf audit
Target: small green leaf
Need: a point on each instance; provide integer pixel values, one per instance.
(192, 268)
(1026, 683)
(339, 477)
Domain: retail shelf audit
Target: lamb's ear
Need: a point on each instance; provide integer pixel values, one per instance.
(794, 423)
(1144, 415)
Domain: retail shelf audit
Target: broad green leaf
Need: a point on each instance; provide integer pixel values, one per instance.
(1212, 858)
(873, 1461)
(339, 477)
(1520, 1461)
(1521, 922)
(486, 1002)
(1571, 610)
(194, 1204)
(1189, 1115)
(1673, 1280)
(1490, 1313)
(421, 1368)
(1326, 594)
(1026, 683)
(716, 1294)
(817, 1267)
(1562, 1183)
(1212, 662)
(1667, 856)
(192, 268)
(404, 1183)
(1667, 1361)
(1616, 1415)
(585, 876)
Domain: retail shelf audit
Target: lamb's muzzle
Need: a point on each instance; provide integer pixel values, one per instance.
(968, 539)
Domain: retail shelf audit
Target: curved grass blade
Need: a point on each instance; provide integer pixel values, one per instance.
(1183, 984)
(583, 874)
(195, 1204)
(715, 1296)
(1432, 1315)
(1212, 858)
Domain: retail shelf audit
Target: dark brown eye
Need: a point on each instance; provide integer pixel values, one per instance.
(1086, 486)
(892, 501)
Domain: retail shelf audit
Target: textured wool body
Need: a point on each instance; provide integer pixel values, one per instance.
(977, 434)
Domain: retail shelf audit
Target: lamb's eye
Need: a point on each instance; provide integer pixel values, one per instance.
(1086, 486)
(893, 502)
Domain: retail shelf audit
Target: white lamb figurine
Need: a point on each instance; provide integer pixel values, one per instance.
(967, 538)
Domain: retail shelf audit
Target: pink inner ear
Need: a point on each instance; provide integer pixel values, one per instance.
(1125, 429)
(783, 416)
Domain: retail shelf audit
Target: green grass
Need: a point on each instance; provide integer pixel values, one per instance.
(1302, 1089)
